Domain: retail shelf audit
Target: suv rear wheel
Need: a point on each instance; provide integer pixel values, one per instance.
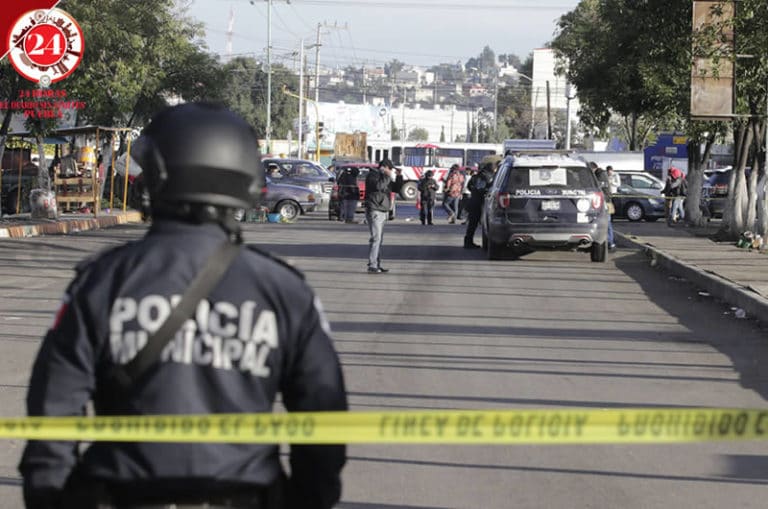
(495, 251)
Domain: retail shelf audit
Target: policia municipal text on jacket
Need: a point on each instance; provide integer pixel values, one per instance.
(259, 331)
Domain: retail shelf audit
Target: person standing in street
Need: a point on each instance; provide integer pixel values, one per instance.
(465, 194)
(138, 334)
(380, 184)
(478, 187)
(675, 189)
(427, 193)
(603, 180)
(454, 186)
(349, 193)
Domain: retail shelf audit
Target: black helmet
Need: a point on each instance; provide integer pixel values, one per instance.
(200, 154)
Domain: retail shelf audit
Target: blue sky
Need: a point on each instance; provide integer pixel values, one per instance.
(372, 32)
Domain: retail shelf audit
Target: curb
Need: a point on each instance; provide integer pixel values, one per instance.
(753, 304)
(65, 226)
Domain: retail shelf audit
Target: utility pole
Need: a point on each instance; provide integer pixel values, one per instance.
(568, 97)
(495, 103)
(549, 115)
(317, 67)
(269, 74)
(301, 98)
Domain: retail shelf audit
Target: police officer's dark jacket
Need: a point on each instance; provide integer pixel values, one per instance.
(261, 331)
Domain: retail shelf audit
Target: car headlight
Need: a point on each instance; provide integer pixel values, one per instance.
(655, 201)
(316, 188)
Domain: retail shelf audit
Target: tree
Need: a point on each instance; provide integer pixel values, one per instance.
(393, 67)
(626, 57)
(632, 60)
(746, 207)
(394, 131)
(138, 56)
(418, 134)
(10, 84)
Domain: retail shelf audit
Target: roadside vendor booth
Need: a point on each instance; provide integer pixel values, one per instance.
(80, 164)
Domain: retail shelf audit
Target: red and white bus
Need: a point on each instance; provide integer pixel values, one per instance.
(415, 158)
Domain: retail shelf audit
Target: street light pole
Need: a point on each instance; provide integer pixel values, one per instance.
(533, 104)
(495, 103)
(269, 73)
(568, 97)
(301, 100)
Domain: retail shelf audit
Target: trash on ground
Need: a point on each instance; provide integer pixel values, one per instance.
(740, 313)
(704, 294)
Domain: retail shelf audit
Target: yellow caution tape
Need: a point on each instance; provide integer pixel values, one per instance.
(423, 427)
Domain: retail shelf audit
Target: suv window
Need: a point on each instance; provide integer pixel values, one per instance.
(579, 177)
(637, 181)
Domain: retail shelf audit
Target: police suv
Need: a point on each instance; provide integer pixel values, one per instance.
(544, 200)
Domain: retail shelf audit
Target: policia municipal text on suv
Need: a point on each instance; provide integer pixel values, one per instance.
(248, 327)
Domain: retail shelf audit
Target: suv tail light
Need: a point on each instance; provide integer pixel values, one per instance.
(504, 200)
(597, 200)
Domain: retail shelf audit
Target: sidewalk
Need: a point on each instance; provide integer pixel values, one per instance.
(23, 226)
(734, 275)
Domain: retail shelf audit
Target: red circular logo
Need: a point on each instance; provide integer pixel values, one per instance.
(45, 46)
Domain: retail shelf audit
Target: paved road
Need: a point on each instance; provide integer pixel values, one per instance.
(449, 329)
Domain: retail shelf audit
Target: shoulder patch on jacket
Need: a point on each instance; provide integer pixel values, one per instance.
(276, 259)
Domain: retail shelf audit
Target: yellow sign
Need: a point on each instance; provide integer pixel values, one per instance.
(423, 427)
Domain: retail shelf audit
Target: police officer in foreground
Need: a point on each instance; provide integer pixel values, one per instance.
(478, 186)
(259, 331)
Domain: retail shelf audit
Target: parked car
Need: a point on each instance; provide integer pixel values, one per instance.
(301, 172)
(636, 204)
(714, 193)
(544, 200)
(641, 181)
(285, 199)
(334, 206)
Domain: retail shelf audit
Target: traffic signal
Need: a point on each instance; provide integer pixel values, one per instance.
(320, 133)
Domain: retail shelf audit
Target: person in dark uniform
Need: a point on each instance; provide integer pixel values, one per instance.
(259, 332)
(427, 188)
(349, 192)
(478, 186)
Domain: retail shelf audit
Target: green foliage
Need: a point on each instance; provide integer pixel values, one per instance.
(418, 134)
(394, 131)
(138, 56)
(243, 88)
(626, 57)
